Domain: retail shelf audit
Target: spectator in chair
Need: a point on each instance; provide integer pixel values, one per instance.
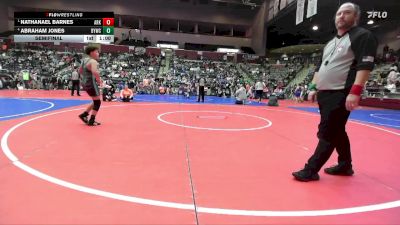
(273, 100)
(241, 95)
(126, 94)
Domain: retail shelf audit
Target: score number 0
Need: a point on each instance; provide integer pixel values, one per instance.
(108, 21)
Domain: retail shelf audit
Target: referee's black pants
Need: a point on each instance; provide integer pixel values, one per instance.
(75, 86)
(331, 130)
(201, 94)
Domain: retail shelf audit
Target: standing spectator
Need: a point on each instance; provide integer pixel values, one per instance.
(259, 90)
(297, 93)
(26, 78)
(385, 51)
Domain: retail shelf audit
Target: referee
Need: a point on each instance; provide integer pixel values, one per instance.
(346, 64)
(75, 82)
(202, 82)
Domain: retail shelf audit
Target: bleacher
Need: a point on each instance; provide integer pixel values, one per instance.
(173, 70)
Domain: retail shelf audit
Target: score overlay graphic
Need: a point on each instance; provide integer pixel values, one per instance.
(78, 27)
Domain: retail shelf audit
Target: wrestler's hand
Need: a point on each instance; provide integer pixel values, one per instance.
(352, 102)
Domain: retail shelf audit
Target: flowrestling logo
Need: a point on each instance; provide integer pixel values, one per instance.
(377, 14)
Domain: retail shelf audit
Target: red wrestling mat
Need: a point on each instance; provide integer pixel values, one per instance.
(146, 163)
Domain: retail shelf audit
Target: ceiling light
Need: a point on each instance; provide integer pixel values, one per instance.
(315, 27)
(370, 22)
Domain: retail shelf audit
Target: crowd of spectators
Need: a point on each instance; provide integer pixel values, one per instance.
(221, 78)
(38, 67)
(49, 69)
(385, 80)
(384, 83)
(42, 68)
(275, 76)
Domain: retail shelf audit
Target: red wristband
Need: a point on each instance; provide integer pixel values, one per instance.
(356, 89)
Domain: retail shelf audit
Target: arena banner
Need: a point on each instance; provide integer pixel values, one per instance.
(311, 8)
(300, 11)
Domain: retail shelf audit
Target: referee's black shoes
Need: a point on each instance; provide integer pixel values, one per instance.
(339, 170)
(305, 175)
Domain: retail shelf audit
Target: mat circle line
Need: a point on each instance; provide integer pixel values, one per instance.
(374, 115)
(31, 112)
(269, 123)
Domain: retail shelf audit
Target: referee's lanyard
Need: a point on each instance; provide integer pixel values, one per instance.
(333, 51)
